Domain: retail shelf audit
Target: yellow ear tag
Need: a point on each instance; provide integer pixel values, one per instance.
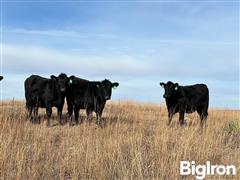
(176, 88)
(114, 87)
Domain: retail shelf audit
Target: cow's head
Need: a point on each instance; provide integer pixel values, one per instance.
(61, 81)
(171, 89)
(1, 77)
(106, 88)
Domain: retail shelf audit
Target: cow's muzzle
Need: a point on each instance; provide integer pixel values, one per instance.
(63, 89)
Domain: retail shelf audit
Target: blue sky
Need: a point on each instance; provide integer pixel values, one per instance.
(137, 43)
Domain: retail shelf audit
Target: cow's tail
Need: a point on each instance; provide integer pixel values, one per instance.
(95, 104)
(207, 95)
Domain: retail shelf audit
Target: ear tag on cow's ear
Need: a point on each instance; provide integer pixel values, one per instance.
(114, 87)
(176, 88)
(70, 81)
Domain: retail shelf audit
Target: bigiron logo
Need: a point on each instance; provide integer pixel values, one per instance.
(201, 171)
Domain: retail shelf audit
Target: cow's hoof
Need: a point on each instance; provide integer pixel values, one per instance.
(37, 120)
(48, 124)
(99, 124)
(79, 122)
(182, 125)
(72, 124)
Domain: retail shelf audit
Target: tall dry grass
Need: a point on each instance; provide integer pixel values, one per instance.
(135, 143)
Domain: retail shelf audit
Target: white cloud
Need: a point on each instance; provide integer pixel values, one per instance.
(44, 32)
(30, 59)
(60, 33)
(139, 76)
(177, 61)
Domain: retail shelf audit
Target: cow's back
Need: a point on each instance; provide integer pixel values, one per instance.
(195, 90)
(196, 95)
(33, 81)
(33, 85)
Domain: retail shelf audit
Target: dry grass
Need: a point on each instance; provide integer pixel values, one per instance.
(134, 144)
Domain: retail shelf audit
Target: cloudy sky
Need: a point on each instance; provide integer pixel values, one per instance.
(136, 43)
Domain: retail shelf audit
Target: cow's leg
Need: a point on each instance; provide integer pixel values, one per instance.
(76, 113)
(71, 118)
(60, 115)
(99, 114)
(100, 119)
(170, 116)
(204, 117)
(69, 108)
(30, 110)
(35, 111)
(205, 112)
(181, 117)
(60, 108)
(49, 113)
(202, 112)
(30, 113)
(182, 109)
(36, 118)
(70, 112)
(89, 115)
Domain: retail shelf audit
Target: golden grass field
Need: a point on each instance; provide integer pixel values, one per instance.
(135, 143)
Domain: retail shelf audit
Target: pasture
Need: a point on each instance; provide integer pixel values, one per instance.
(135, 143)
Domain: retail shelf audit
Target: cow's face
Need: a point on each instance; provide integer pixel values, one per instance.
(61, 81)
(170, 89)
(107, 86)
(101, 90)
(1, 77)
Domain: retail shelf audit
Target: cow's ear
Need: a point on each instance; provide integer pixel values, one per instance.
(176, 86)
(70, 80)
(1, 77)
(162, 84)
(115, 84)
(53, 77)
(72, 77)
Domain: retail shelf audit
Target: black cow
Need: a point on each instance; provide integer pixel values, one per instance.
(89, 95)
(186, 99)
(1, 78)
(45, 93)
